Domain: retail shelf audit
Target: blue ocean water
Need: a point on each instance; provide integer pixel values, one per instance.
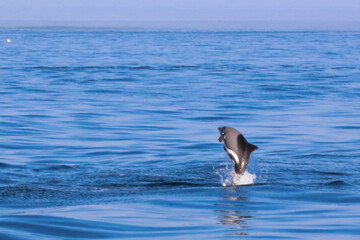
(106, 134)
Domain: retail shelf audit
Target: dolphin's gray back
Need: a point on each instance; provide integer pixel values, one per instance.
(231, 139)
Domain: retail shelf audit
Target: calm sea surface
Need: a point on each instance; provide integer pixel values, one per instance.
(110, 134)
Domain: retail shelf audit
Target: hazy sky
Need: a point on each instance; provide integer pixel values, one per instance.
(184, 13)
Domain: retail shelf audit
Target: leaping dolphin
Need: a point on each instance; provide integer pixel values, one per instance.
(237, 147)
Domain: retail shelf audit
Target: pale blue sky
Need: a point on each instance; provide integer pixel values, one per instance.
(263, 14)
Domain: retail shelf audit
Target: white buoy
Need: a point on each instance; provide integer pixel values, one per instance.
(8, 40)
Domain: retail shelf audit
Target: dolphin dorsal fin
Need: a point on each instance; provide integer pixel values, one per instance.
(252, 147)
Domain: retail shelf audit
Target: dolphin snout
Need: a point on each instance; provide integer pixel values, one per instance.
(222, 136)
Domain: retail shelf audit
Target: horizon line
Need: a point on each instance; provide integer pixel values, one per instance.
(214, 25)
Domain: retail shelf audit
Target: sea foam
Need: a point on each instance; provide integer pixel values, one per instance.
(245, 179)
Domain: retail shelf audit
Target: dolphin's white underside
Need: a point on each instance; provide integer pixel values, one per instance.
(235, 156)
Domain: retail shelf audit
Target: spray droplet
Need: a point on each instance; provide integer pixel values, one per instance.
(8, 40)
(229, 177)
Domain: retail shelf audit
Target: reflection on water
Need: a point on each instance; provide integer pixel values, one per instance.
(234, 214)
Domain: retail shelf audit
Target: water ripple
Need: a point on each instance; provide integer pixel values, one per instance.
(113, 134)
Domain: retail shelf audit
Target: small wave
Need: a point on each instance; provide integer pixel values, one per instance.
(103, 91)
(4, 165)
(134, 67)
(180, 67)
(48, 67)
(337, 183)
(353, 127)
(318, 155)
(210, 118)
(117, 153)
(173, 184)
(140, 67)
(60, 167)
(329, 173)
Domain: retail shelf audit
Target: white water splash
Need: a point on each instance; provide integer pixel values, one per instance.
(245, 179)
(229, 177)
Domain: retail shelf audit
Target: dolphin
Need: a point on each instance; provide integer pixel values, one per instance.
(237, 147)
